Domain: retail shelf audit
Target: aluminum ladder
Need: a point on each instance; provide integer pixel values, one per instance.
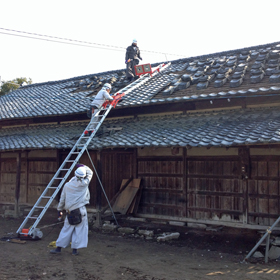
(58, 180)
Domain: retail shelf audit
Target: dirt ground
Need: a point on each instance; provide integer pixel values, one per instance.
(197, 254)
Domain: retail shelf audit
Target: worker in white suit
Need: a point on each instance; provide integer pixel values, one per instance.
(100, 98)
(74, 197)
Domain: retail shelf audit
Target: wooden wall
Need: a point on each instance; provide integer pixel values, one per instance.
(37, 169)
(263, 190)
(217, 184)
(162, 181)
(227, 185)
(8, 173)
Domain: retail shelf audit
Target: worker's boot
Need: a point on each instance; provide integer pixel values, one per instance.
(57, 250)
(75, 252)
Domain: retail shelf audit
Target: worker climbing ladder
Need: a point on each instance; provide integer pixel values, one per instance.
(73, 157)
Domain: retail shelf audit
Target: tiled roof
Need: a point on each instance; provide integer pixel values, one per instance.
(243, 72)
(215, 129)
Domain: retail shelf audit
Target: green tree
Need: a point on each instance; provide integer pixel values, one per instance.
(8, 86)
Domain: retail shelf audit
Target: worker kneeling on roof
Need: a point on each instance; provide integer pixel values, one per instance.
(74, 197)
(100, 98)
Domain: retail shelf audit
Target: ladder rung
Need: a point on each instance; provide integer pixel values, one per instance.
(69, 160)
(52, 187)
(39, 206)
(64, 169)
(74, 153)
(58, 178)
(46, 196)
(33, 217)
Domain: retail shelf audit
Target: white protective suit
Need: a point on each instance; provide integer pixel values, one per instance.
(75, 195)
(98, 101)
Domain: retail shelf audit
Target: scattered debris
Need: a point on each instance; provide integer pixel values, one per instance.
(258, 254)
(109, 227)
(175, 223)
(146, 233)
(274, 252)
(18, 241)
(168, 236)
(276, 241)
(196, 225)
(214, 228)
(135, 219)
(141, 233)
(126, 230)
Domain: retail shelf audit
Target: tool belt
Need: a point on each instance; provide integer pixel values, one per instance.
(90, 110)
(74, 217)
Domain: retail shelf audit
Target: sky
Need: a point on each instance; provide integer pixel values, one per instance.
(165, 31)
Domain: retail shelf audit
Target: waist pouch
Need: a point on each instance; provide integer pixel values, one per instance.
(89, 111)
(74, 217)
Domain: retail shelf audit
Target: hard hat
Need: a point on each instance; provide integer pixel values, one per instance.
(81, 172)
(134, 41)
(107, 86)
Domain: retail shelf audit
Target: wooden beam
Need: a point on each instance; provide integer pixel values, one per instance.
(17, 188)
(26, 175)
(185, 181)
(203, 221)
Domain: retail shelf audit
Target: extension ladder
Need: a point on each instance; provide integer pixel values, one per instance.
(72, 159)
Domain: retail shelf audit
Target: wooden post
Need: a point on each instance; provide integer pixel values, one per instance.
(98, 222)
(17, 189)
(135, 164)
(245, 174)
(185, 191)
(26, 171)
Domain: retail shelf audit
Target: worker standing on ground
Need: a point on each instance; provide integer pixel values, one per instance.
(100, 98)
(74, 197)
(132, 57)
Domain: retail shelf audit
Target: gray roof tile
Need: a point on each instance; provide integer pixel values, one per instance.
(233, 127)
(201, 73)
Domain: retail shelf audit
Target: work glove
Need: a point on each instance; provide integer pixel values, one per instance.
(140, 58)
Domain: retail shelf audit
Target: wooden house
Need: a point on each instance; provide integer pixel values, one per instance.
(203, 136)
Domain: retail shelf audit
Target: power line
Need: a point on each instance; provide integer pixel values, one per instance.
(55, 41)
(73, 41)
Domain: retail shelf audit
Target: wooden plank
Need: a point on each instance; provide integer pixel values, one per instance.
(124, 201)
(136, 200)
(124, 184)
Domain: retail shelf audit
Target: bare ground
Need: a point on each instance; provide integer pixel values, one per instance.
(197, 254)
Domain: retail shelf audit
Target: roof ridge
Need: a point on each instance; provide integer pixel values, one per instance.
(233, 51)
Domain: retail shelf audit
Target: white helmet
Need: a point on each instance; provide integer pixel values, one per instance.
(134, 41)
(107, 86)
(81, 172)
